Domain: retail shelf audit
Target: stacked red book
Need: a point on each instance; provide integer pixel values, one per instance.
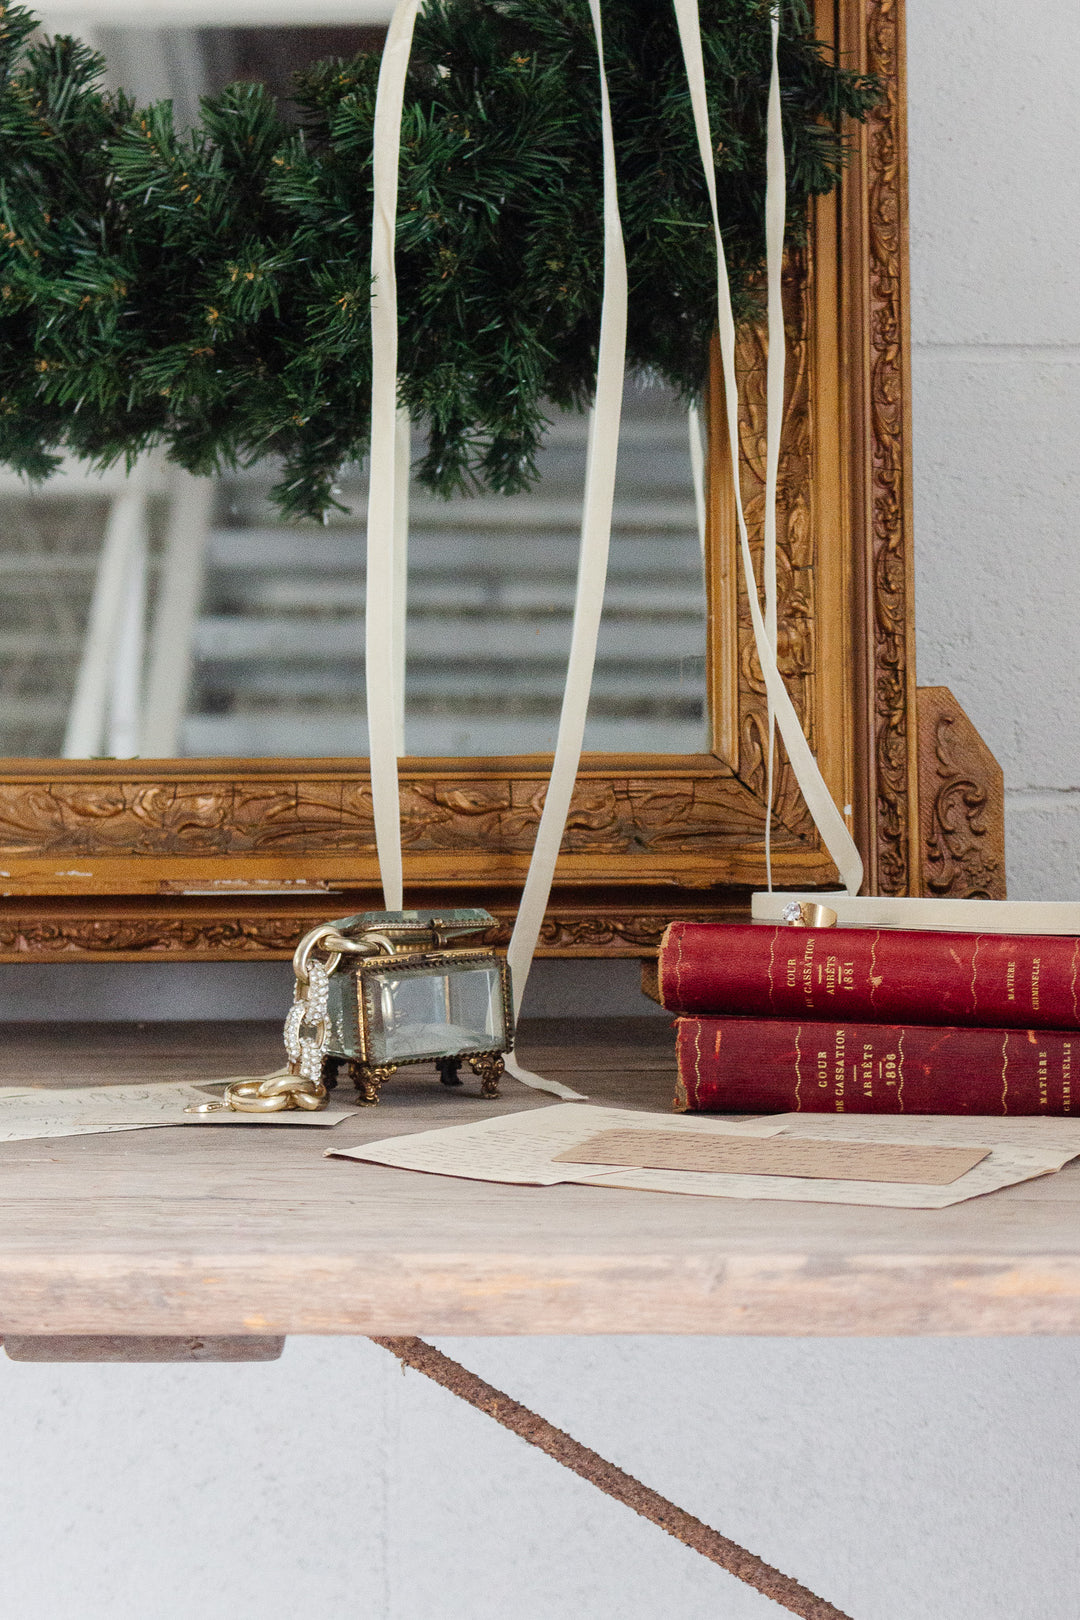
(858, 1020)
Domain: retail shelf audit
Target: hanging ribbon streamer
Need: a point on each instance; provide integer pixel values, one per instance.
(402, 465)
(592, 577)
(385, 537)
(775, 220)
(827, 818)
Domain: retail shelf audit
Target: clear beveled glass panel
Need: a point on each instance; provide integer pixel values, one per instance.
(437, 1013)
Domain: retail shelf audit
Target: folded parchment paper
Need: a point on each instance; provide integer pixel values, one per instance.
(522, 1148)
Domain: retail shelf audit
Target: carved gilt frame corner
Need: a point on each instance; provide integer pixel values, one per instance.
(228, 859)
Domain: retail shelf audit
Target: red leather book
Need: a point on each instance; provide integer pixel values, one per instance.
(777, 1065)
(899, 976)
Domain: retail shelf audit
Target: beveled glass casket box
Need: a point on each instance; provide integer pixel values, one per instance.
(383, 989)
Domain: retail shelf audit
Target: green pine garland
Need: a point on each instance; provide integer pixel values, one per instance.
(209, 291)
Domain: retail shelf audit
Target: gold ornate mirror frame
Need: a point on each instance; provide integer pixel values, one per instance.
(217, 859)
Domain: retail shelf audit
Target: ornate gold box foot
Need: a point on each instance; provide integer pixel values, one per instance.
(368, 1079)
(489, 1068)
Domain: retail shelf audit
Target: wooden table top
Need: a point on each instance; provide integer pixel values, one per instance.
(247, 1231)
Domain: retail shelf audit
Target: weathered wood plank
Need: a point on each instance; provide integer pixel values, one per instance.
(52, 1347)
(217, 1232)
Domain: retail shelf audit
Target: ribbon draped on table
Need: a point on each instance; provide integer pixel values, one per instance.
(387, 492)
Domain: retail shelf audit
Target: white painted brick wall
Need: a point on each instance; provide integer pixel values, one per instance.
(995, 271)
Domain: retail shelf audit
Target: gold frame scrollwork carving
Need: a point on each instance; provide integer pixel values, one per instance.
(227, 859)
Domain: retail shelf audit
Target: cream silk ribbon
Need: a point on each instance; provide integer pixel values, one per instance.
(385, 537)
(385, 534)
(827, 818)
(775, 220)
(592, 577)
(895, 911)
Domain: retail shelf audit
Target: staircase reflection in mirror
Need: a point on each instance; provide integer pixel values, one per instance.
(275, 666)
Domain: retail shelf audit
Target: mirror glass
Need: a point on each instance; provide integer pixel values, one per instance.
(155, 616)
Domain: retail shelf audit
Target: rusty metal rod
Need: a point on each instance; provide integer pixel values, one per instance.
(701, 1538)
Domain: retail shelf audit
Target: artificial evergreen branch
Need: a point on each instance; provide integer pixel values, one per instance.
(208, 291)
